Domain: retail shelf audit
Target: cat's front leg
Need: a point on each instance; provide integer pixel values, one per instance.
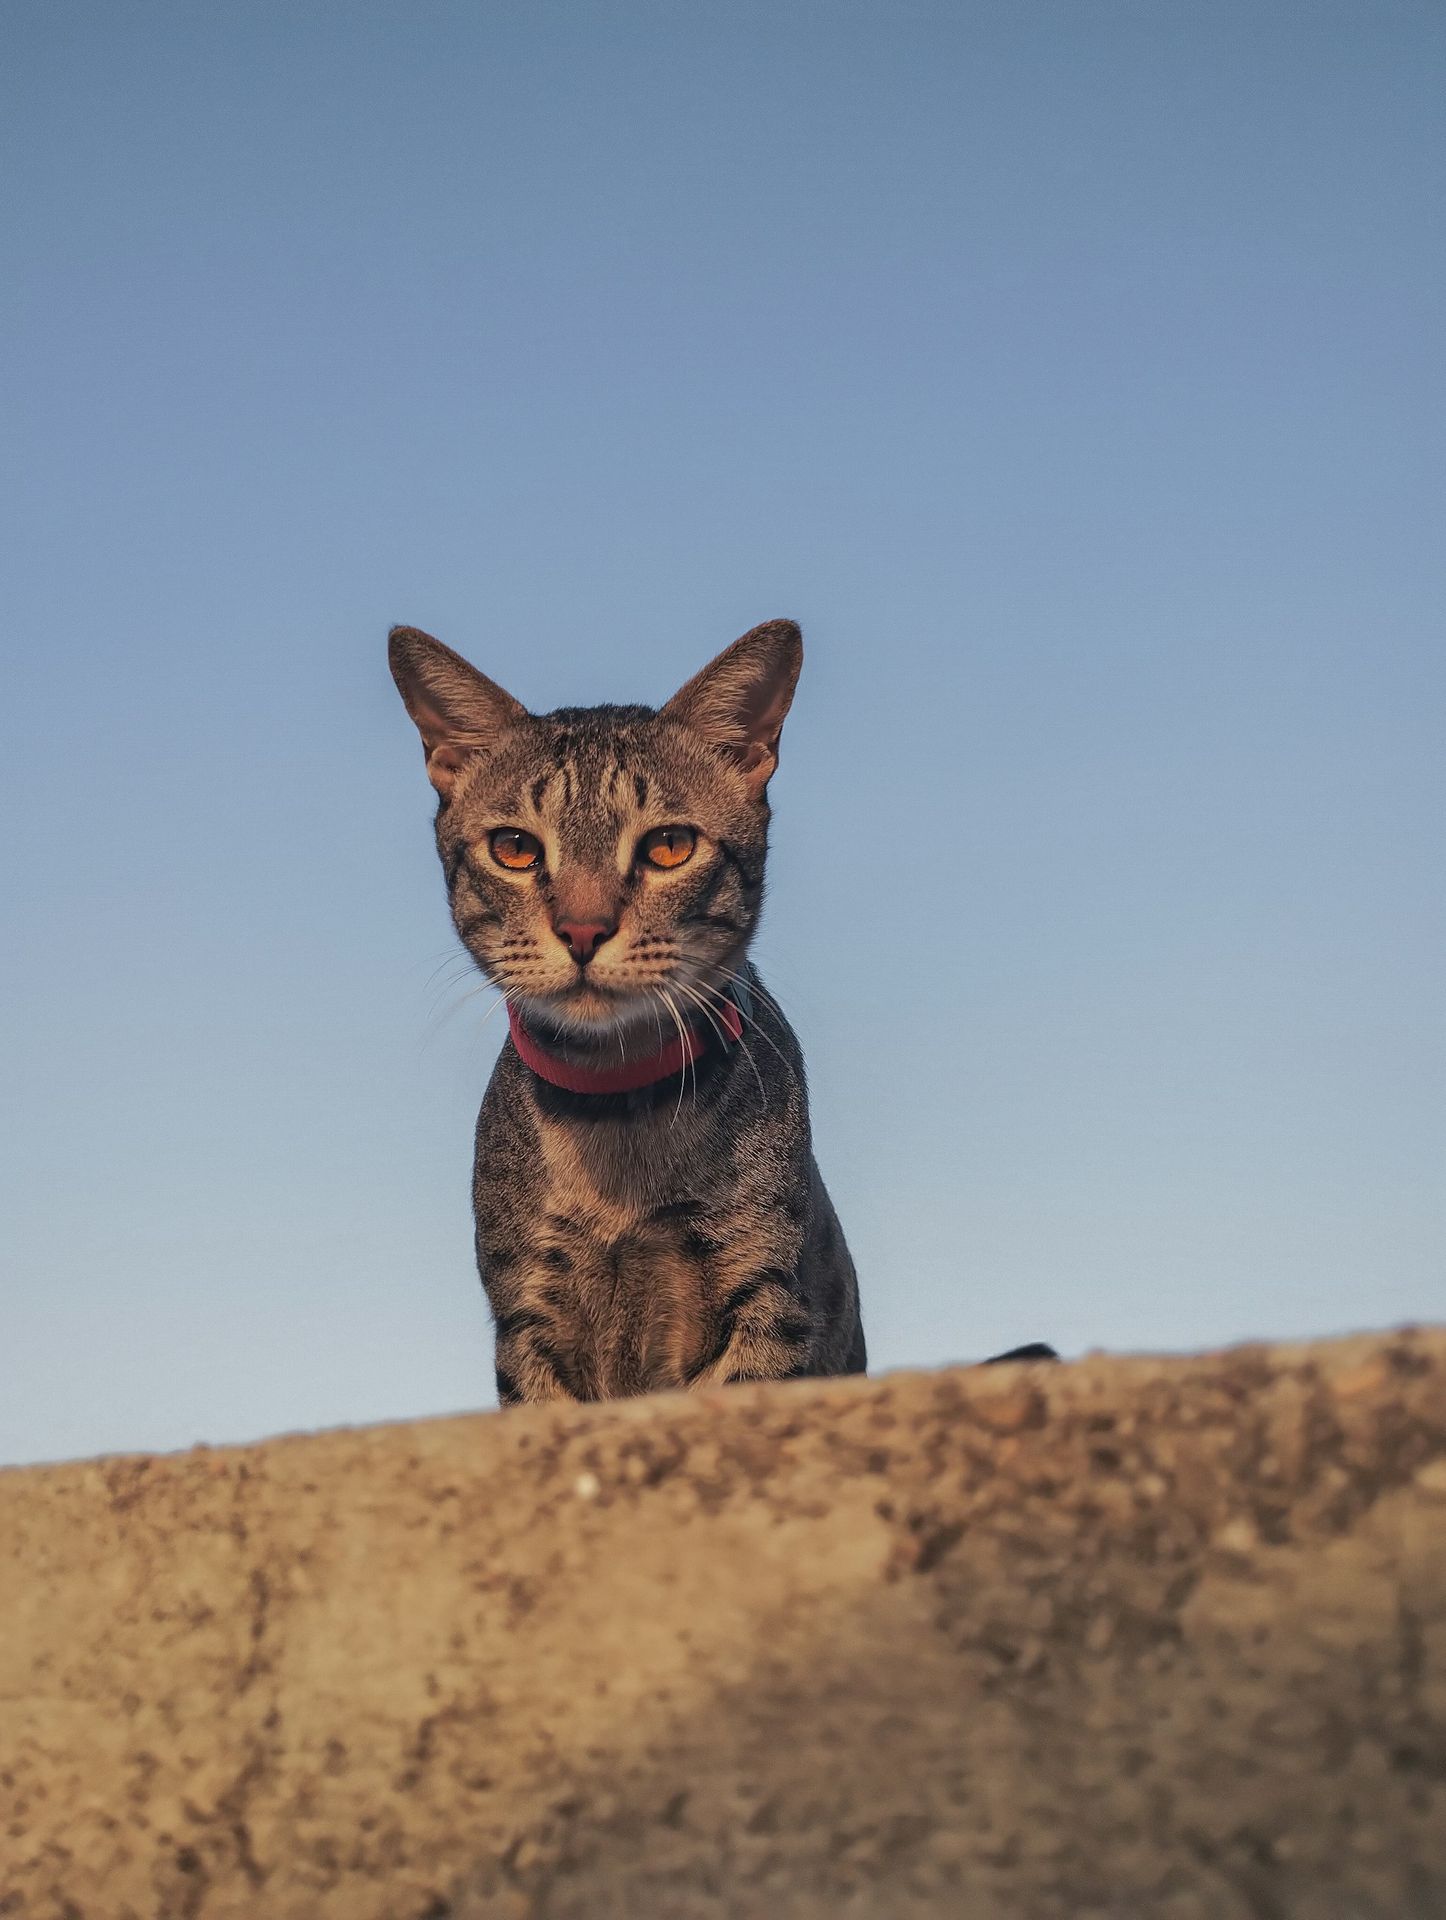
(534, 1363)
(761, 1332)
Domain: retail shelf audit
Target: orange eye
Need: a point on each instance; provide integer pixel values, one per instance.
(514, 849)
(668, 846)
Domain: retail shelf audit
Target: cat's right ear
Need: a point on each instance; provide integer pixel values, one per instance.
(458, 711)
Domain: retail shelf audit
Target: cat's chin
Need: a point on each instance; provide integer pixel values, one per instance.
(593, 1016)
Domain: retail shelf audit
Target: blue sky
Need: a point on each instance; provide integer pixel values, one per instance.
(1073, 372)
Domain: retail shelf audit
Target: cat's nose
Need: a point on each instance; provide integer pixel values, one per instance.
(582, 938)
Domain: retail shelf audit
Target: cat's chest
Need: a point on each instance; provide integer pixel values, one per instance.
(656, 1199)
(605, 1187)
(634, 1271)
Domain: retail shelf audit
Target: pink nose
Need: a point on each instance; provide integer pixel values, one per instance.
(582, 938)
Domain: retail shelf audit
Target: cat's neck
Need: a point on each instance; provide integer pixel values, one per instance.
(614, 1068)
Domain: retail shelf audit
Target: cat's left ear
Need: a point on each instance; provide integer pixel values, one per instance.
(738, 703)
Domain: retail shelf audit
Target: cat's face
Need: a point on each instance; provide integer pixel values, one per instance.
(605, 864)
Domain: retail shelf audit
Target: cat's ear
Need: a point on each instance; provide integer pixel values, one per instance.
(739, 701)
(459, 712)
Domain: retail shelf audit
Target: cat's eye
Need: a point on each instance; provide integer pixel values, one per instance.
(668, 846)
(515, 849)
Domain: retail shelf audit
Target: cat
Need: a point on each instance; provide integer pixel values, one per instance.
(648, 1210)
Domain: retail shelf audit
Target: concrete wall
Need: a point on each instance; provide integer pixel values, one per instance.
(1129, 1638)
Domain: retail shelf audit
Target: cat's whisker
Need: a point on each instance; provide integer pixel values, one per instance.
(723, 1034)
(505, 995)
(798, 988)
(749, 1020)
(504, 999)
(442, 983)
(460, 971)
(691, 993)
(440, 960)
(754, 990)
(695, 993)
(754, 986)
(439, 1018)
(482, 986)
(681, 1024)
(682, 1075)
(442, 1013)
(702, 1006)
(690, 1065)
(693, 1071)
(443, 1010)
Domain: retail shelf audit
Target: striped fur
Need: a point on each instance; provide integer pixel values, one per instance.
(678, 1236)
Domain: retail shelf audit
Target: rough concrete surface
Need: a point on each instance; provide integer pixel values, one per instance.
(1123, 1638)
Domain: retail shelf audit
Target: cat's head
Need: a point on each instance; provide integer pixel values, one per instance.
(604, 861)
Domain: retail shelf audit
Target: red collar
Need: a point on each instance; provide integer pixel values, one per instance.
(628, 1075)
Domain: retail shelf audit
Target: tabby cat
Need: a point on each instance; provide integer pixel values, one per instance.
(648, 1209)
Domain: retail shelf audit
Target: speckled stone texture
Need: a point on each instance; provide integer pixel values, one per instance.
(1128, 1638)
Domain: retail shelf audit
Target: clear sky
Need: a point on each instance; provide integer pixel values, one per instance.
(1073, 372)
